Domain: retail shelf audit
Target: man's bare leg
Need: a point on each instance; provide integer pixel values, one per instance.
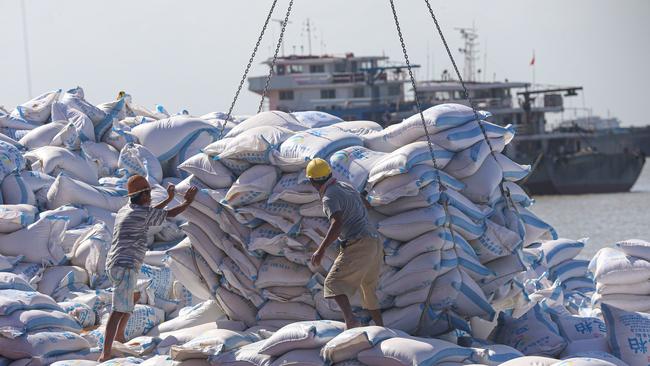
(121, 328)
(376, 317)
(111, 328)
(344, 304)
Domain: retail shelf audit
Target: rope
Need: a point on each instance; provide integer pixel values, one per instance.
(248, 66)
(441, 187)
(275, 56)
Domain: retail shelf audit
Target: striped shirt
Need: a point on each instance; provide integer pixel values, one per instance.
(130, 235)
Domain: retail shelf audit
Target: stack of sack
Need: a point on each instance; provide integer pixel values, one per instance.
(64, 166)
(257, 220)
(230, 282)
(622, 276)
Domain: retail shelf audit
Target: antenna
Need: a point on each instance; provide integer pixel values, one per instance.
(281, 24)
(470, 51)
(307, 27)
(28, 68)
(485, 61)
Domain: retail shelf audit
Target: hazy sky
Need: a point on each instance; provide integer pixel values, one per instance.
(190, 54)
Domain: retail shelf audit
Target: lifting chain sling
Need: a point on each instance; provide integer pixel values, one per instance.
(441, 187)
(505, 193)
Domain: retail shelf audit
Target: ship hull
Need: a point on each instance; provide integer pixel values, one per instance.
(586, 173)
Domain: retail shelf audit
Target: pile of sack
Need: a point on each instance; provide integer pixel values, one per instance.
(230, 282)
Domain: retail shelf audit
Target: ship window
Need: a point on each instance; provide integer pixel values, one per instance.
(295, 69)
(286, 94)
(328, 94)
(359, 92)
(339, 67)
(394, 90)
(280, 69)
(316, 68)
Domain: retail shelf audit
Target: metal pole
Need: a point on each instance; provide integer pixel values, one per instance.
(28, 71)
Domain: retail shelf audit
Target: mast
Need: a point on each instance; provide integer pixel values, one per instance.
(470, 51)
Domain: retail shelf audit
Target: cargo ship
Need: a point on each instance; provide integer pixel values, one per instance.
(567, 160)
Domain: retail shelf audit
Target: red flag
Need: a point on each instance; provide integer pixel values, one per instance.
(532, 61)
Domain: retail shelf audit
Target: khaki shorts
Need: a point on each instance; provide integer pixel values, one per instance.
(357, 266)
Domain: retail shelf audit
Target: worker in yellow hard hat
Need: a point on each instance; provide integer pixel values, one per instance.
(360, 257)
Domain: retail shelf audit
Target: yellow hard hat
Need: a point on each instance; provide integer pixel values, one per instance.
(318, 169)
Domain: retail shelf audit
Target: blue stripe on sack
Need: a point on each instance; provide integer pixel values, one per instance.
(446, 353)
(23, 189)
(46, 321)
(473, 296)
(107, 122)
(463, 224)
(566, 267)
(611, 331)
(476, 268)
(174, 150)
(553, 252)
(456, 136)
(542, 319)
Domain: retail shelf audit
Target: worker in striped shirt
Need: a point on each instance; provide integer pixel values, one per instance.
(129, 248)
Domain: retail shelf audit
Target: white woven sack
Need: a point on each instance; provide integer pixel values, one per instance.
(79, 128)
(25, 321)
(405, 158)
(54, 278)
(74, 98)
(299, 149)
(191, 269)
(42, 345)
(68, 191)
(13, 300)
(44, 239)
(211, 343)
(467, 162)
(635, 248)
(42, 135)
(437, 118)
(305, 357)
(208, 170)
(166, 137)
(37, 110)
(102, 155)
(254, 185)
(16, 217)
(353, 165)
(137, 159)
(315, 119)
(236, 307)
(274, 310)
(613, 267)
(52, 160)
(294, 188)
(246, 355)
(301, 335)
(626, 333)
(268, 118)
(408, 351)
(255, 145)
(348, 344)
(409, 184)
(16, 192)
(480, 185)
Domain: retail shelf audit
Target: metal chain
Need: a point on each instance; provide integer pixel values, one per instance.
(248, 66)
(441, 187)
(415, 92)
(467, 96)
(275, 56)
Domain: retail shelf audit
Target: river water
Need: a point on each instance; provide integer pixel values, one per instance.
(603, 218)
